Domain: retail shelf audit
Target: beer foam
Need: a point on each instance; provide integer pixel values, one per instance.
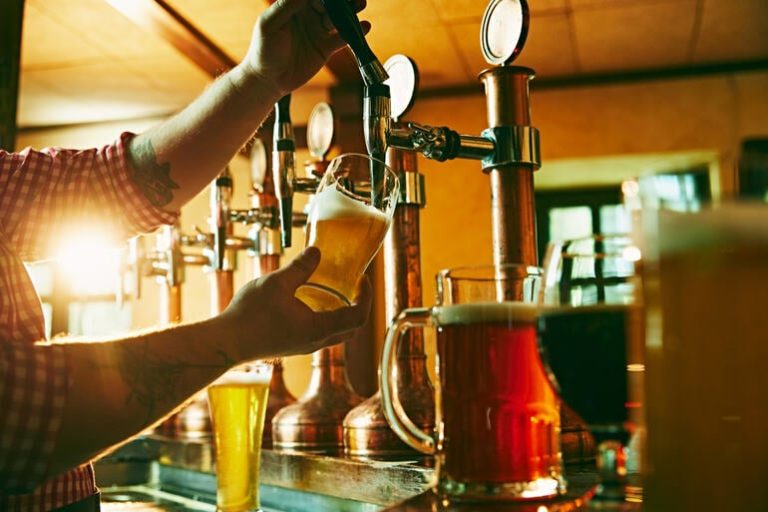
(495, 312)
(244, 377)
(330, 203)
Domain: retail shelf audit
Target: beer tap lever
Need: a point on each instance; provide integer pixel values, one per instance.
(347, 24)
(220, 206)
(283, 166)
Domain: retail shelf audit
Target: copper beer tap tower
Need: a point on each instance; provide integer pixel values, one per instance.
(366, 431)
(314, 423)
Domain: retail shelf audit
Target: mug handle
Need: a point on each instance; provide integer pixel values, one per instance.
(391, 405)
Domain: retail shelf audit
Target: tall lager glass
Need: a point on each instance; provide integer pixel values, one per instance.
(348, 218)
(238, 402)
(706, 290)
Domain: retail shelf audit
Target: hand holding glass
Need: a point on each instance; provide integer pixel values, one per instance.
(348, 218)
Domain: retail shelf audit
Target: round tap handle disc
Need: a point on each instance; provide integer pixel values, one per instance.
(403, 83)
(258, 164)
(504, 30)
(320, 130)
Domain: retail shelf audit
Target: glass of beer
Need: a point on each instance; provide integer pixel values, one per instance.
(705, 283)
(348, 218)
(498, 421)
(591, 357)
(238, 402)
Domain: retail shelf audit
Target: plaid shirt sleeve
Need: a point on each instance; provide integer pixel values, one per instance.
(33, 390)
(48, 194)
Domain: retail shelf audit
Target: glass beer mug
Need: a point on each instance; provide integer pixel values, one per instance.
(498, 422)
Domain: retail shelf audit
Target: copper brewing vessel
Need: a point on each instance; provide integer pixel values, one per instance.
(366, 432)
(314, 423)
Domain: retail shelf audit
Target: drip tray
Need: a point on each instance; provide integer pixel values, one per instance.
(146, 499)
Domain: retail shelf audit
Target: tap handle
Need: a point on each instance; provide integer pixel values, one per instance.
(283, 166)
(347, 23)
(220, 216)
(283, 110)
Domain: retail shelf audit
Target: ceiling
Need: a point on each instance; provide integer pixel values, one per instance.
(83, 61)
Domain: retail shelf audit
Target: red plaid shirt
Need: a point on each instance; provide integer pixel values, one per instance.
(42, 194)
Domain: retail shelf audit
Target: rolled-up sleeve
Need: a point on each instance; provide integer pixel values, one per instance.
(48, 194)
(34, 383)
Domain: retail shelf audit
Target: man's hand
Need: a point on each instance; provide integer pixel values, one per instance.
(291, 41)
(267, 320)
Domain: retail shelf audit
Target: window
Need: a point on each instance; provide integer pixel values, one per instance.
(565, 214)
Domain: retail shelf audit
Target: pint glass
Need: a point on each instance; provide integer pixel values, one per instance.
(498, 420)
(706, 290)
(348, 218)
(238, 402)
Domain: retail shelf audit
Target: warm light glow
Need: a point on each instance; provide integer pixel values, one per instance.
(630, 188)
(88, 264)
(636, 367)
(631, 253)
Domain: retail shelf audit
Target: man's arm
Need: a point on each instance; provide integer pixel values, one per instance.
(175, 160)
(120, 387)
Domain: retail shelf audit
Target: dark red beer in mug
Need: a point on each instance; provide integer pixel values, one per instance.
(498, 423)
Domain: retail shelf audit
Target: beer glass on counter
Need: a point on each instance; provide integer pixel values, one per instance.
(348, 218)
(705, 282)
(590, 337)
(498, 420)
(238, 402)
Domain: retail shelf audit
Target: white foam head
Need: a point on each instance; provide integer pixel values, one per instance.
(242, 377)
(487, 312)
(330, 203)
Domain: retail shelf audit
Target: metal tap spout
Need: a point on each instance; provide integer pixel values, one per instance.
(377, 117)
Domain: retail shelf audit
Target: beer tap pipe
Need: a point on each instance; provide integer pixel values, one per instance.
(222, 253)
(221, 199)
(283, 166)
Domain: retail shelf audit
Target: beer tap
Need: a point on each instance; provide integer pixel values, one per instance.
(314, 423)
(223, 258)
(283, 165)
(366, 432)
(166, 263)
(266, 259)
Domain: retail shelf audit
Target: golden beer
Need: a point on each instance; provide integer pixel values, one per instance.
(348, 234)
(706, 289)
(238, 403)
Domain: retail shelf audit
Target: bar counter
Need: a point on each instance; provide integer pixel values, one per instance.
(165, 474)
